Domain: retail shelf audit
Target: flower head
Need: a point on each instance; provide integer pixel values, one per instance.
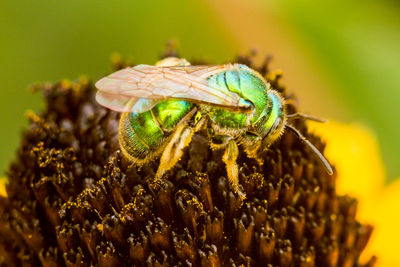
(73, 199)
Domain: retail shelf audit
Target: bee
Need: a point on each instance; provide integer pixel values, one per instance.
(164, 105)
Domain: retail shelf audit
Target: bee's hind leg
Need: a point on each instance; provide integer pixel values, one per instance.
(229, 158)
(173, 151)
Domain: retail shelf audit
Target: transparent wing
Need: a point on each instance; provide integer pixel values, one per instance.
(158, 83)
(123, 103)
(113, 101)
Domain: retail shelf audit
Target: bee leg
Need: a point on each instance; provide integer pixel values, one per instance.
(254, 153)
(229, 158)
(174, 149)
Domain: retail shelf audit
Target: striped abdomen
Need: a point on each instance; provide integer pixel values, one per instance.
(143, 135)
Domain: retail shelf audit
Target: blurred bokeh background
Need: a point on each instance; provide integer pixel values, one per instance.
(342, 58)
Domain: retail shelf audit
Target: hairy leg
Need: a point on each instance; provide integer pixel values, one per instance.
(173, 151)
(230, 156)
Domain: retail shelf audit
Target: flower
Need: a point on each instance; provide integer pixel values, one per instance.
(354, 150)
(73, 199)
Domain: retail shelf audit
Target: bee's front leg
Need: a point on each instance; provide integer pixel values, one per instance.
(230, 156)
(173, 151)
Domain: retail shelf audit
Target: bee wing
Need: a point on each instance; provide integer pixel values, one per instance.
(158, 83)
(120, 102)
(113, 101)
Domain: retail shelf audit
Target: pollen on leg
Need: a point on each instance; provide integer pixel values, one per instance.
(232, 169)
(174, 149)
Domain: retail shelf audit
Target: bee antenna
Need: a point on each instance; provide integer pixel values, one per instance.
(305, 117)
(323, 160)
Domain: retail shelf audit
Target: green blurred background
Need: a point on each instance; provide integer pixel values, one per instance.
(342, 58)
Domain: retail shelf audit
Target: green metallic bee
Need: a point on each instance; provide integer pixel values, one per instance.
(164, 105)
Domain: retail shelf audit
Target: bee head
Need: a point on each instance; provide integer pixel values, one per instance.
(269, 127)
(276, 119)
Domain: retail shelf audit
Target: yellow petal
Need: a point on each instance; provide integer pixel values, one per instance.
(3, 187)
(354, 151)
(383, 212)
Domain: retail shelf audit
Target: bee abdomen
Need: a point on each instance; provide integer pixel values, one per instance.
(140, 136)
(143, 135)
